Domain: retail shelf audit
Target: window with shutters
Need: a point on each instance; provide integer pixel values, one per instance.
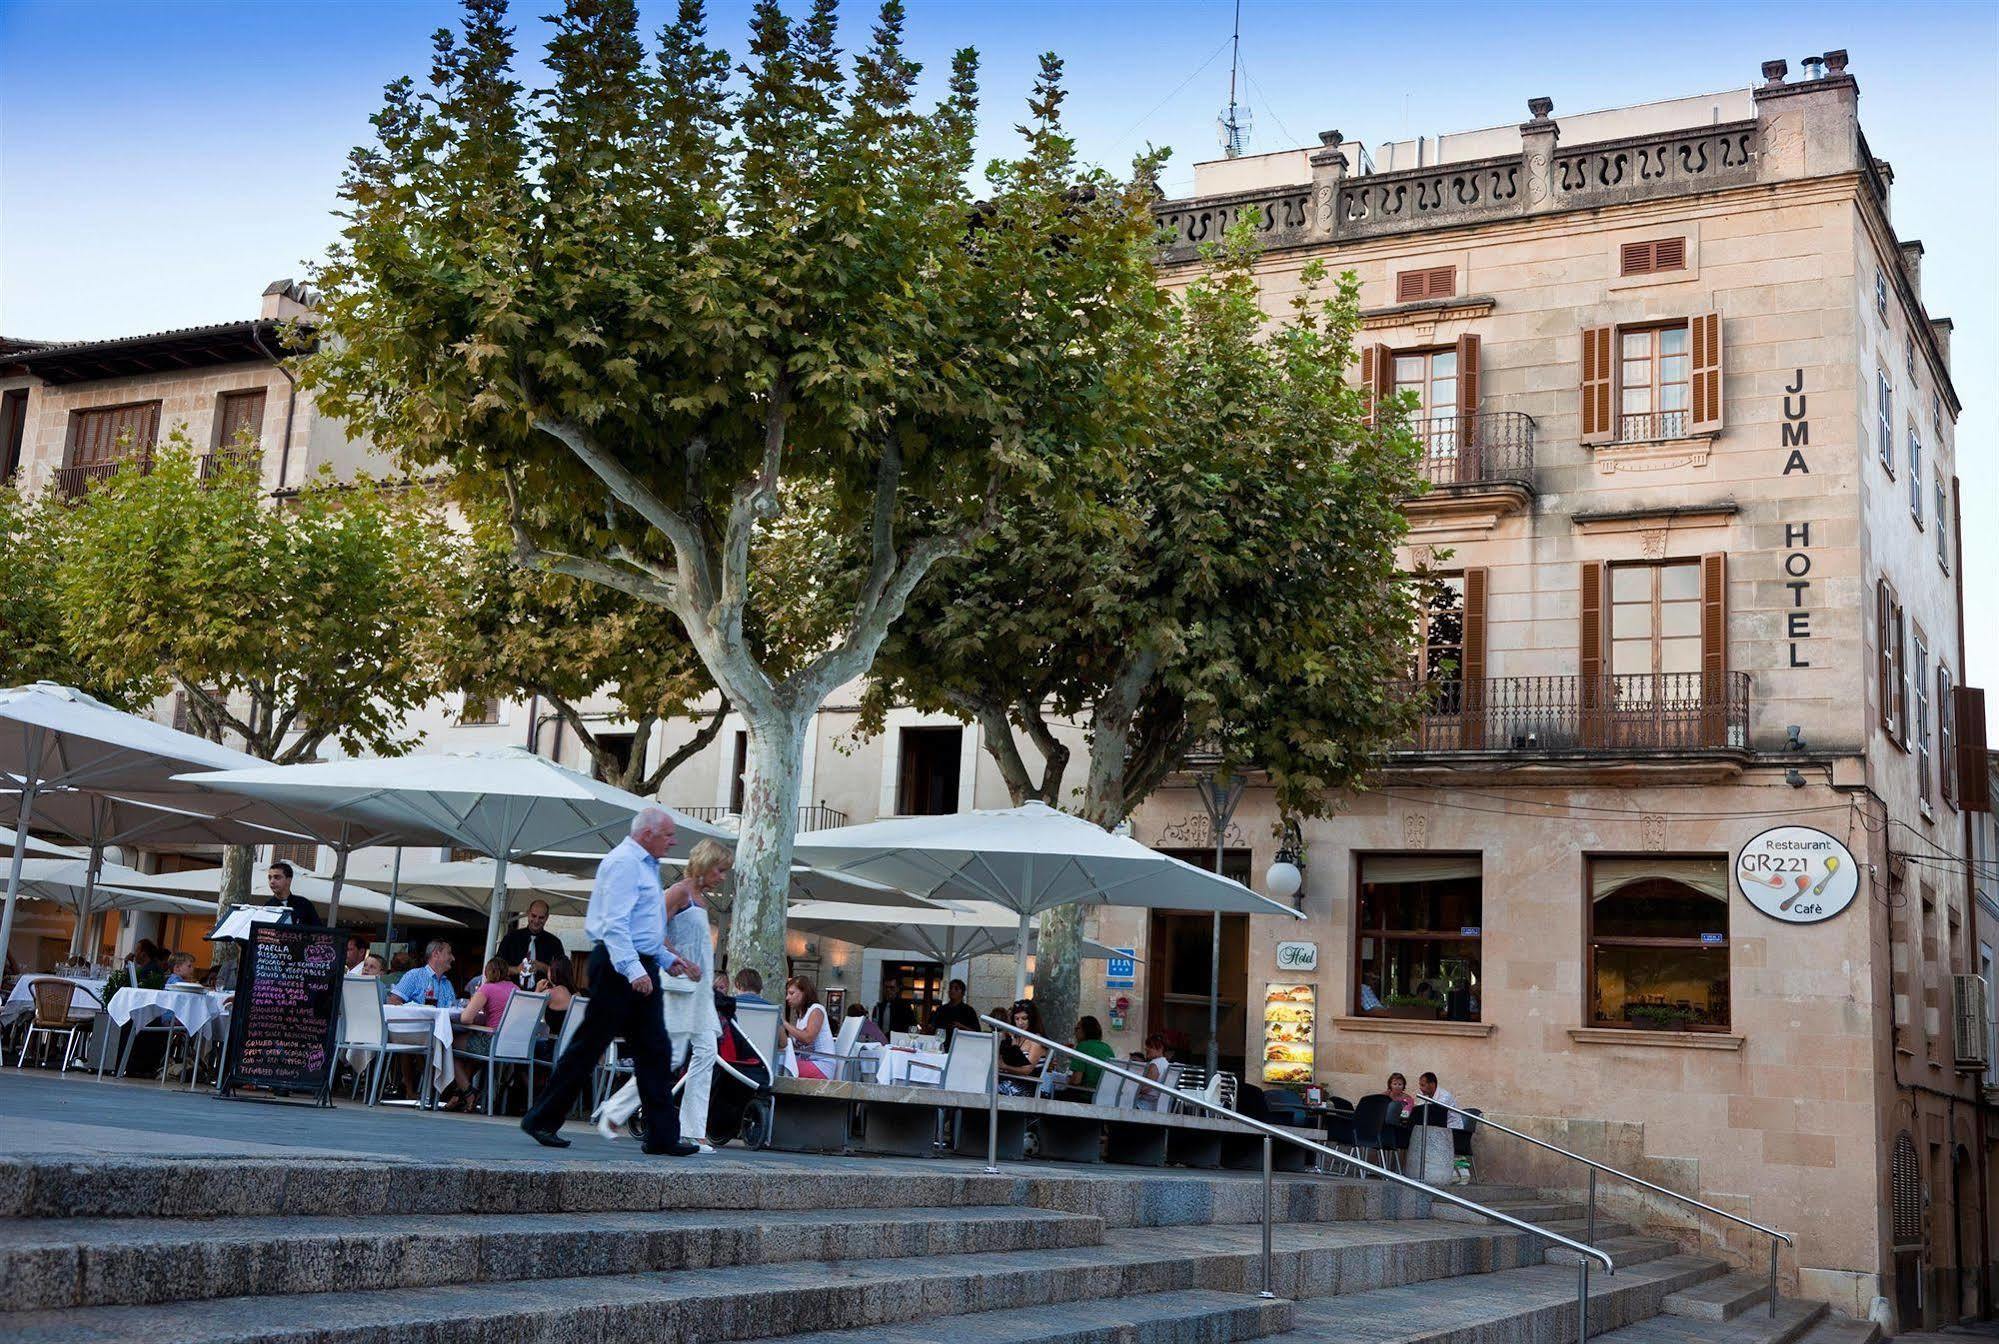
(1658, 254)
(1946, 736)
(1943, 523)
(1936, 419)
(1655, 383)
(1880, 291)
(239, 421)
(1909, 359)
(1655, 618)
(1891, 664)
(478, 710)
(1921, 715)
(1915, 475)
(1658, 943)
(1435, 282)
(1440, 628)
(106, 434)
(1885, 407)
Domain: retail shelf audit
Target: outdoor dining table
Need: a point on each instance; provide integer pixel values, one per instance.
(892, 1064)
(407, 1021)
(197, 1010)
(22, 998)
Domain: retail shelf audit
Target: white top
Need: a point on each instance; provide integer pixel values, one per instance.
(1443, 1095)
(692, 1014)
(822, 1036)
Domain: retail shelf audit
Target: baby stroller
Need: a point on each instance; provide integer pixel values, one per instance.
(739, 1095)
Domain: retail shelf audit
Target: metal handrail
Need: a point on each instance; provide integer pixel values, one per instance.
(1584, 1253)
(1596, 1166)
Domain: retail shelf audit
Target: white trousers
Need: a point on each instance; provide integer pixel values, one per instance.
(694, 1090)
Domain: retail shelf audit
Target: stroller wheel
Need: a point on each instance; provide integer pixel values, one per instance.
(756, 1125)
(637, 1125)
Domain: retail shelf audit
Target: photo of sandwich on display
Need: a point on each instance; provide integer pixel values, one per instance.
(1288, 1051)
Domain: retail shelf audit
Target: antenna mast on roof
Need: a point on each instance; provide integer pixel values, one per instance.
(1234, 122)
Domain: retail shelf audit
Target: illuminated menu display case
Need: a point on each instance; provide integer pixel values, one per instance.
(1289, 1013)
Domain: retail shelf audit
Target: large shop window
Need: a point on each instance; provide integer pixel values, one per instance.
(1416, 953)
(1658, 943)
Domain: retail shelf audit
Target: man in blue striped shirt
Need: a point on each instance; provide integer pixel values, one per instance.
(627, 924)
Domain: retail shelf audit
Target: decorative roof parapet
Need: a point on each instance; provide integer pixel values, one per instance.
(1793, 135)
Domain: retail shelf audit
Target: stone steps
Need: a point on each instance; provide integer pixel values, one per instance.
(1623, 1251)
(88, 1262)
(1840, 1330)
(1534, 1305)
(1722, 1299)
(1195, 1317)
(1791, 1323)
(766, 1300)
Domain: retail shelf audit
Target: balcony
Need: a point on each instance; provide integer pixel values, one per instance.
(1492, 448)
(1653, 714)
(214, 464)
(74, 481)
(811, 816)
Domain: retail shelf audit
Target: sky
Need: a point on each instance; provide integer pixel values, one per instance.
(161, 162)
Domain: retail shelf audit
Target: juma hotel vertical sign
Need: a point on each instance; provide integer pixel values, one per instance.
(1797, 875)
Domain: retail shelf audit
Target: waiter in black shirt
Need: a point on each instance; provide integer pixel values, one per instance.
(954, 1015)
(532, 941)
(894, 1013)
(303, 914)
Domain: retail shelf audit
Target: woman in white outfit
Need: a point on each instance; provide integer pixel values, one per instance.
(690, 1015)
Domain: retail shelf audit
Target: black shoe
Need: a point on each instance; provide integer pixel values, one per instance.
(678, 1148)
(547, 1138)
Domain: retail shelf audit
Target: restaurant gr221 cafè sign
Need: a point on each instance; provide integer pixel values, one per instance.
(1797, 874)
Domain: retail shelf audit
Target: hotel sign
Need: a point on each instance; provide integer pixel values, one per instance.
(1297, 956)
(1797, 875)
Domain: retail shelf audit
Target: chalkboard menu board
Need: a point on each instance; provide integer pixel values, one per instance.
(287, 1009)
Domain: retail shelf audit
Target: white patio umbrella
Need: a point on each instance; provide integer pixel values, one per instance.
(807, 884)
(1026, 860)
(40, 849)
(948, 936)
(207, 882)
(75, 884)
(469, 883)
(504, 803)
(55, 737)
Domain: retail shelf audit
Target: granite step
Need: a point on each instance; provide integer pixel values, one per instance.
(86, 1262)
(1791, 1323)
(1842, 1330)
(1155, 1318)
(1623, 1251)
(1535, 1305)
(756, 1301)
(120, 1187)
(1722, 1299)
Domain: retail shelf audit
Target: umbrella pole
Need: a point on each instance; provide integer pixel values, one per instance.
(14, 870)
(339, 878)
(85, 911)
(1020, 957)
(496, 910)
(395, 880)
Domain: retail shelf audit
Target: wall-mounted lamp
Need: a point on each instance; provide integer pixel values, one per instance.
(1285, 877)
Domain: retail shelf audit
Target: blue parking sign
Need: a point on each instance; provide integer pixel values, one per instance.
(1120, 969)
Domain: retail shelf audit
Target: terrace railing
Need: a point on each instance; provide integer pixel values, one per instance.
(1668, 713)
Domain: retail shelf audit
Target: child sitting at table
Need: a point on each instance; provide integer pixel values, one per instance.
(180, 970)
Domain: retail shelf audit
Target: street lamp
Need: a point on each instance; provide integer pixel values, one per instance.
(1285, 877)
(1220, 796)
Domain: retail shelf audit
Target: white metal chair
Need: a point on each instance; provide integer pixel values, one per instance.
(1110, 1090)
(62, 1008)
(512, 1042)
(842, 1059)
(760, 1023)
(365, 1030)
(572, 1022)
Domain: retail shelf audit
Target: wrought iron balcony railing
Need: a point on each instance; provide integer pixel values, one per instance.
(1639, 427)
(811, 816)
(1491, 448)
(1666, 713)
(214, 464)
(76, 480)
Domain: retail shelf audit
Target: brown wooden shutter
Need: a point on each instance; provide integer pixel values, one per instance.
(1634, 258)
(1669, 254)
(1707, 372)
(240, 421)
(1443, 282)
(1599, 388)
(1592, 697)
(1946, 735)
(1411, 286)
(1974, 782)
(1472, 670)
(1884, 657)
(1714, 648)
(1377, 376)
(1469, 468)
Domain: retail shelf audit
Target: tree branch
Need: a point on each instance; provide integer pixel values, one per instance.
(755, 500)
(1054, 751)
(706, 734)
(888, 476)
(629, 490)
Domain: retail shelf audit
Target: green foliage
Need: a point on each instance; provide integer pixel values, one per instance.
(288, 625)
(1236, 586)
(514, 631)
(33, 646)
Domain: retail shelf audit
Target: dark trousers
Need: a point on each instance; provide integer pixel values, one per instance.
(616, 1009)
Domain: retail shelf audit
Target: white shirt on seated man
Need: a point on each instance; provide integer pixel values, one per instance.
(1427, 1085)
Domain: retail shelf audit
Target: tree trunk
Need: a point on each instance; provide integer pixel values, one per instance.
(237, 860)
(776, 760)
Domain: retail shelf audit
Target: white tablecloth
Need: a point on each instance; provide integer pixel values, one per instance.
(22, 998)
(408, 1021)
(892, 1066)
(194, 1009)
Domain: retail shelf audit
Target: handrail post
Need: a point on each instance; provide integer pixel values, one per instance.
(1268, 1290)
(992, 1113)
(1590, 1236)
(1582, 1299)
(1773, 1278)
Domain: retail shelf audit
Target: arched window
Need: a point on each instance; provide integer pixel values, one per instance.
(1906, 1182)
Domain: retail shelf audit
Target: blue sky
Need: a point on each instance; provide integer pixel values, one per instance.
(161, 162)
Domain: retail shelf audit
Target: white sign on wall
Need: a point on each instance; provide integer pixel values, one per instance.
(1297, 956)
(1797, 874)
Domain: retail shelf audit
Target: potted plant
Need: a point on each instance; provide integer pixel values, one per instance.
(1414, 1007)
(1659, 1016)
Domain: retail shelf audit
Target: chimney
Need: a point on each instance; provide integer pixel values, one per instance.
(288, 299)
(1912, 265)
(1941, 327)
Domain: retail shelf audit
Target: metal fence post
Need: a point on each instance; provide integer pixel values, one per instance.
(1590, 1236)
(992, 1113)
(1582, 1299)
(1773, 1278)
(1268, 1286)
